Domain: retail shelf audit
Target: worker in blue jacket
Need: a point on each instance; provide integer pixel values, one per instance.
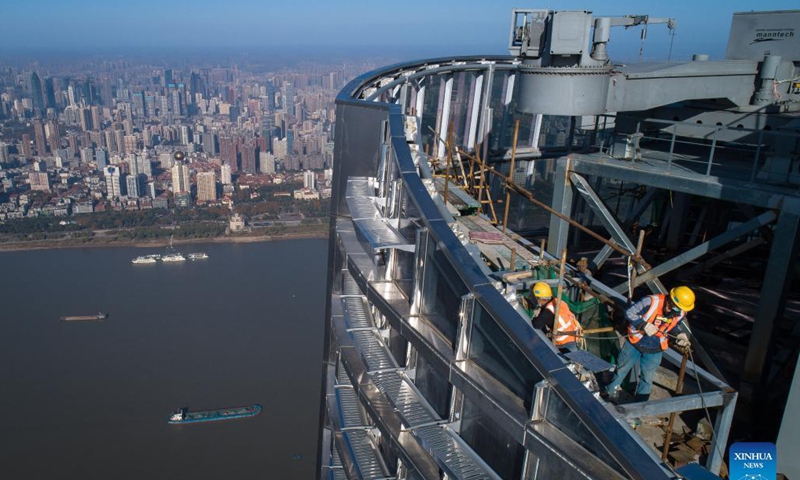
(649, 322)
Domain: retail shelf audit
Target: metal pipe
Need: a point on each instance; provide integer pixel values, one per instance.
(528, 195)
(559, 290)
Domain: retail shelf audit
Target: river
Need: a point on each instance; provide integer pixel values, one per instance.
(90, 400)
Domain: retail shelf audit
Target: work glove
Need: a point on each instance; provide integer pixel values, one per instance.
(650, 329)
(524, 302)
(682, 340)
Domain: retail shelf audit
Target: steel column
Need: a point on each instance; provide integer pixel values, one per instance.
(444, 122)
(562, 203)
(611, 223)
(420, 101)
(778, 278)
(722, 429)
(475, 113)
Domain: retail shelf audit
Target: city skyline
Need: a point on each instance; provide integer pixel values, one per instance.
(447, 27)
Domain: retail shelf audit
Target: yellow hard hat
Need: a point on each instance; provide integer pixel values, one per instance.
(541, 290)
(683, 297)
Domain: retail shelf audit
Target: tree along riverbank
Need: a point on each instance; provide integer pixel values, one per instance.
(138, 238)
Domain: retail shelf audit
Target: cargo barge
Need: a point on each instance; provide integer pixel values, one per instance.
(85, 318)
(182, 415)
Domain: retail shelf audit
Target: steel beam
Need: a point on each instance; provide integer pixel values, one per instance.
(772, 304)
(722, 429)
(733, 252)
(562, 203)
(677, 224)
(611, 223)
(684, 181)
(681, 403)
(640, 207)
(702, 249)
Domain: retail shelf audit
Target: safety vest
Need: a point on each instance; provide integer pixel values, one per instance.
(565, 321)
(651, 316)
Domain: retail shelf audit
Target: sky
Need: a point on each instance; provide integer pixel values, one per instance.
(424, 26)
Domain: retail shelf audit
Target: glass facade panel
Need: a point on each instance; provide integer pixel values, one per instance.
(491, 348)
(499, 450)
(564, 419)
(443, 292)
(433, 386)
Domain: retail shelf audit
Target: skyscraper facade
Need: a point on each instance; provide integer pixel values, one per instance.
(206, 187)
(113, 179)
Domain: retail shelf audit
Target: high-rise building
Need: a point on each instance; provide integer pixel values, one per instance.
(25, 146)
(225, 174)
(37, 96)
(206, 187)
(39, 181)
(309, 180)
(113, 178)
(38, 133)
(4, 152)
(229, 151)
(210, 143)
(180, 178)
(87, 155)
(131, 143)
(134, 184)
(101, 158)
(267, 162)
(52, 135)
(249, 156)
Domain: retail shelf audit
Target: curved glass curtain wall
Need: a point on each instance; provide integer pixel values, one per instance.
(520, 424)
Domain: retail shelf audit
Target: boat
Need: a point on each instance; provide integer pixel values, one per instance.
(183, 415)
(173, 257)
(197, 256)
(85, 318)
(144, 259)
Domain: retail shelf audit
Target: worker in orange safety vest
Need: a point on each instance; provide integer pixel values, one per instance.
(649, 322)
(563, 328)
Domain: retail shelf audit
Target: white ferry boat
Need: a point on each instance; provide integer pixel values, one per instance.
(144, 259)
(173, 257)
(197, 256)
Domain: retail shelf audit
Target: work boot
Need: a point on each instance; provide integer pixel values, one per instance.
(641, 397)
(611, 396)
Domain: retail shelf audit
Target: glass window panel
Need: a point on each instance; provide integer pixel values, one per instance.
(433, 386)
(563, 418)
(494, 351)
(498, 449)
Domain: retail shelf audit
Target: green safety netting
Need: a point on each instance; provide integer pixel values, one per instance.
(591, 313)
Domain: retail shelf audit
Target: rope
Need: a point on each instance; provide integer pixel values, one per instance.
(705, 408)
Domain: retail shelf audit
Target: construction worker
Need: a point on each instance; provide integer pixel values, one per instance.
(554, 325)
(649, 322)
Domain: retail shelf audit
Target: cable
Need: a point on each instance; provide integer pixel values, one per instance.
(705, 408)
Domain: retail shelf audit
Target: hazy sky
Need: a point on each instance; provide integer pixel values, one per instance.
(452, 26)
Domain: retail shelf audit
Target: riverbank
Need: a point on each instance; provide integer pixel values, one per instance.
(157, 243)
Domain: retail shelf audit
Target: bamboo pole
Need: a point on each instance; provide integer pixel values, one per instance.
(513, 259)
(484, 169)
(560, 287)
(528, 195)
(448, 161)
(511, 175)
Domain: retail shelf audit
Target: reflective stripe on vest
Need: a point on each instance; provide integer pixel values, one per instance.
(651, 316)
(565, 322)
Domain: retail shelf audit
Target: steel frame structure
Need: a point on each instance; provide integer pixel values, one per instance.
(402, 286)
